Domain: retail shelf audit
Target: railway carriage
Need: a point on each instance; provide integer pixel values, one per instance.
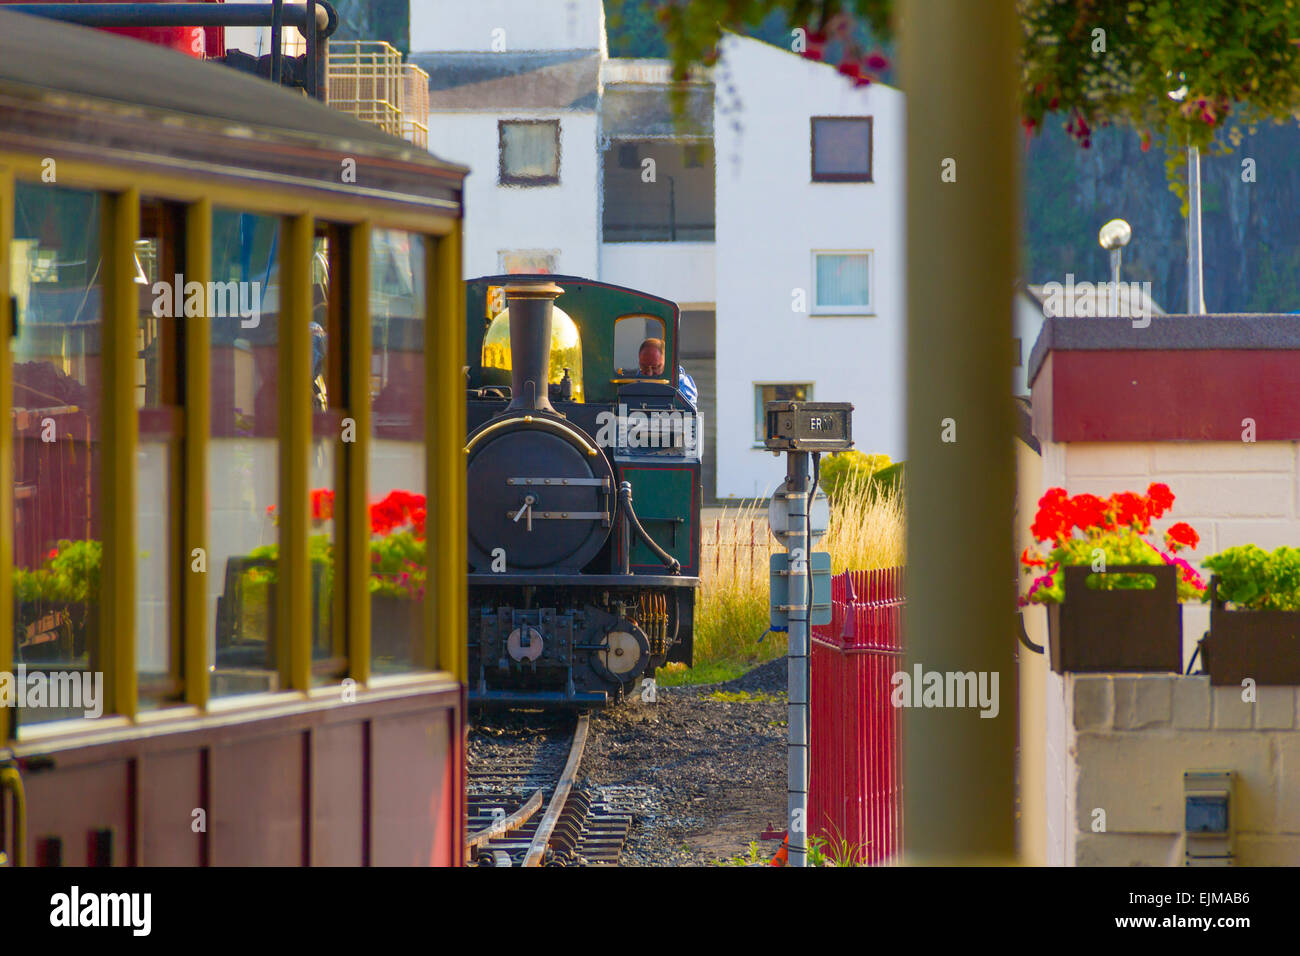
(232, 487)
(584, 492)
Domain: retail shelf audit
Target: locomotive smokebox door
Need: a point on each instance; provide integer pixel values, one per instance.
(538, 488)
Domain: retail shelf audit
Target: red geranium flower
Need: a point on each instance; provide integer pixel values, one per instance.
(1131, 509)
(1182, 535)
(1161, 499)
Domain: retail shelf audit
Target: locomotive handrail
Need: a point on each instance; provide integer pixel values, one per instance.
(567, 430)
(630, 519)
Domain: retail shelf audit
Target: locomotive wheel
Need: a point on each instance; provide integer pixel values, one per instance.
(625, 656)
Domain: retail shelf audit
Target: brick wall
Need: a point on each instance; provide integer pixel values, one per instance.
(1132, 737)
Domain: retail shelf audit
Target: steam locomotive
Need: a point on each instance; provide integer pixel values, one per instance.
(583, 492)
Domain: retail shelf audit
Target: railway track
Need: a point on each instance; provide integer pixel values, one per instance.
(524, 809)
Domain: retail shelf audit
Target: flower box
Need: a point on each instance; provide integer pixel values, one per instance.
(1096, 631)
(1261, 645)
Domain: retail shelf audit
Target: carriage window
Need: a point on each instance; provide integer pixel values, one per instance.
(328, 652)
(397, 473)
(629, 333)
(243, 469)
(158, 452)
(56, 274)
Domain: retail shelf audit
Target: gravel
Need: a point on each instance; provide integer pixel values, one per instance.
(703, 776)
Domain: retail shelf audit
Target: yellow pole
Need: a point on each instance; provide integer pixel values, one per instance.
(960, 74)
(117, 447)
(7, 729)
(357, 454)
(447, 600)
(198, 404)
(293, 625)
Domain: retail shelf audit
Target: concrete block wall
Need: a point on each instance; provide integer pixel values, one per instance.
(1131, 738)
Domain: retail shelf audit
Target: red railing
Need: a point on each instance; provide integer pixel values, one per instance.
(855, 799)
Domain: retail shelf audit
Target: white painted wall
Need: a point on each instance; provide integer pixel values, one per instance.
(770, 219)
(681, 271)
(454, 25)
(1026, 322)
(564, 217)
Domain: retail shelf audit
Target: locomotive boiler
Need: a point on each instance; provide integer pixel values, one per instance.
(583, 491)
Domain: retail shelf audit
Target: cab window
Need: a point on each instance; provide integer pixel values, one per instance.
(629, 332)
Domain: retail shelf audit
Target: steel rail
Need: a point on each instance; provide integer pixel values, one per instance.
(542, 837)
(505, 824)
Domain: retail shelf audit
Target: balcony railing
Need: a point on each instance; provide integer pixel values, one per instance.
(656, 220)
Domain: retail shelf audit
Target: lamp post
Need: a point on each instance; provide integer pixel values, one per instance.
(1114, 236)
(1195, 286)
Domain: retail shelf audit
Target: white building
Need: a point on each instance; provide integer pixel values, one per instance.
(772, 212)
(809, 254)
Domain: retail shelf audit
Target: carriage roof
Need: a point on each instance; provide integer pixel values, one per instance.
(76, 91)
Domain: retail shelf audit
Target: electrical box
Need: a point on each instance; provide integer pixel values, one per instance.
(808, 426)
(1207, 797)
(819, 563)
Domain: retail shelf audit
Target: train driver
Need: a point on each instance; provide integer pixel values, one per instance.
(651, 360)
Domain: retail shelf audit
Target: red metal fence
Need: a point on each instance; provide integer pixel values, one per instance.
(855, 798)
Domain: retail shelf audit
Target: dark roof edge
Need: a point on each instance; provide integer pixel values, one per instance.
(1240, 331)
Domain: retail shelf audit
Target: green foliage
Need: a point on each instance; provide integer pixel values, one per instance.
(632, 30)
(71, 572)
(841, 470)
(752, 857)
(835, 852)
(1117, 548)
(889, 480)
(743, 697)
(1233, 63)
(397, 565)
(1230, 62)
(1252, 579)
(712, 671)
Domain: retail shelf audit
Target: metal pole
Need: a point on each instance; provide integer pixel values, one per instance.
(961, 76)
(310, 61)
(277, 34)
(1195, 287)
(797, 488)
(1114, 280)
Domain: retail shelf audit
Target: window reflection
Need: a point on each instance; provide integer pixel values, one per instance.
(158, 453)
(329, 656)
(243, 471)
(56, 280)
(397, 473)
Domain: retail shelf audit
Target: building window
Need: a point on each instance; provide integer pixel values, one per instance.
(841, 149)
(529, 152)
(527, 261)
(841, 283)
(801, 392)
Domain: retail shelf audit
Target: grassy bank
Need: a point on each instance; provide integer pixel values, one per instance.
(865, 532)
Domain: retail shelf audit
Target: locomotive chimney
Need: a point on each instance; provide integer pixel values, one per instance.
(530, 305)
